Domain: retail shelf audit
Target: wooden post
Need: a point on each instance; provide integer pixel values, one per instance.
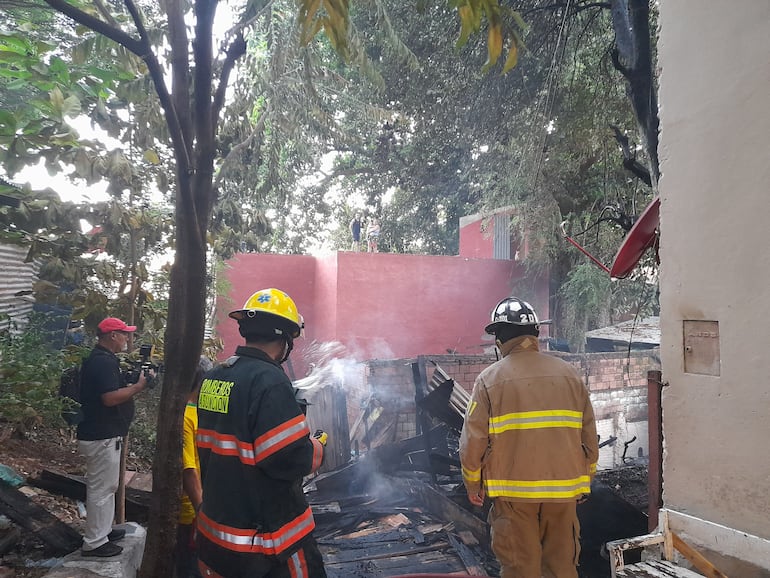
(329, 411)
(420, 377)
(655, 433)
(120, 495)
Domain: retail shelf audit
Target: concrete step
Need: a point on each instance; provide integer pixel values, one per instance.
(124, 565)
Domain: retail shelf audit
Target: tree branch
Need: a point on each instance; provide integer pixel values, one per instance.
(576, 7)
(240, 26)
(343, 173)
(203, 56)
(137, 18)
(100, 26)
(629, 162)
(181, 152)
(180, 66)
(234, 52)
(240, 146)
(143, 50)
(106, 13)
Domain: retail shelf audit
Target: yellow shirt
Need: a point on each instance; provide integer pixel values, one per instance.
(189, 459)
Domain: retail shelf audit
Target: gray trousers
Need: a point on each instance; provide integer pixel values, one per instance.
(102, 475)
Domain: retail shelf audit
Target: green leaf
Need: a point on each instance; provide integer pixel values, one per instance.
(15, 73)
(71, 106)
(17, 84)
(7, 122)
(151, 157)
(16, 44)
(57, 99)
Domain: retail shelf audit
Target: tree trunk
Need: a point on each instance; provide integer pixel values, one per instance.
(184, 339)
(633, 58)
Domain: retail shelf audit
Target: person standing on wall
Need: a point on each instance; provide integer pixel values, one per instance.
(355, 232)
(108, 409)
(529, 443)
(186, 556)
(373, 234)
(255, 447)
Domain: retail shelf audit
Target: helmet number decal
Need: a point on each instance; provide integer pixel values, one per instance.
(527, 318)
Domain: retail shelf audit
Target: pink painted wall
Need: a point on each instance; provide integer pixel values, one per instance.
(380, 305)
(250, 272)
(476, 237)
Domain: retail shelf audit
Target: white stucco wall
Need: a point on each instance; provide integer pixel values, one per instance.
(714, 58)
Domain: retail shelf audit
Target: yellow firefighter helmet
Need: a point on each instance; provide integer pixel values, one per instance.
(271, 309)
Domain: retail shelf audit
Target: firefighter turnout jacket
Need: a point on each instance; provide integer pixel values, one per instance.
(255, 448)
(529, 433)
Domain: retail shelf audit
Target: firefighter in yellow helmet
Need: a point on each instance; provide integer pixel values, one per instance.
(255, 447)
(529, 443)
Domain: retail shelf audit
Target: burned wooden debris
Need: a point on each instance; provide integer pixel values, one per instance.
(374, 524)
(58, 538)
(426, 470)
(445, 400)
(137, 501)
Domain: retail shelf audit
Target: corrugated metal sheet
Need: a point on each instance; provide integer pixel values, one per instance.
(16, 276)
(646, 331)
(502, 237)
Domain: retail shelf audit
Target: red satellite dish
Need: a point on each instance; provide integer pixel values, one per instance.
(642, 236)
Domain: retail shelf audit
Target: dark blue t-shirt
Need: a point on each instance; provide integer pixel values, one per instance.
(99, 374)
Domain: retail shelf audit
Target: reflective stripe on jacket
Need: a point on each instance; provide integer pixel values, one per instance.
(529, 430)
(254, 447)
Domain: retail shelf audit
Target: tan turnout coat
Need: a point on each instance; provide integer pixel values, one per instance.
(529, 432)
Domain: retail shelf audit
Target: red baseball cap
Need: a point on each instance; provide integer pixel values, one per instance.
(114, 324)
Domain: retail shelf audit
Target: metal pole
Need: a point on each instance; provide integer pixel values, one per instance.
(655, 433)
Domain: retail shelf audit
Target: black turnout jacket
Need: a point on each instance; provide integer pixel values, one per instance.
(254, 448)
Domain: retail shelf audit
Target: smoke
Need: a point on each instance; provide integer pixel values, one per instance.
(330, 364)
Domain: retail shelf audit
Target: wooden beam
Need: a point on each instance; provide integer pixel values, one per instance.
(59, 538)
(698, 560)
(466, 555)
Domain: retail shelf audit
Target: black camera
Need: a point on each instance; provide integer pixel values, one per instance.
(143, 366)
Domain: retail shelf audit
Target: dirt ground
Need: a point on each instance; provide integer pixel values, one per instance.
(51, 449)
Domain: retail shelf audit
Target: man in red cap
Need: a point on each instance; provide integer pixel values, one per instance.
(108, 408)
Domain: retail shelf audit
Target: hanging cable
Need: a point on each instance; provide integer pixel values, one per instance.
(550, 97)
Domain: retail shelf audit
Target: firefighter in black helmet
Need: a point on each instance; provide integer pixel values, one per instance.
(255, 448)
(529, 444)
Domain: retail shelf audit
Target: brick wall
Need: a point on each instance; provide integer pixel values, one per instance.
(617, 382)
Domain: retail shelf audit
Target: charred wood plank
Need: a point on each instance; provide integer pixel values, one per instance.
(393, 552)
(386, 537)
(390, 458)
(59, 538)
(341, 481)
(445, 509)
(420, 378)
(433, 463)
(656, 569)
(466, 555)
(424, 563)
(9, 539)
(438, 404)
(74, 487)
(437, 562)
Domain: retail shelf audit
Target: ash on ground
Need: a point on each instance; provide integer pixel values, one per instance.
(629, 482)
